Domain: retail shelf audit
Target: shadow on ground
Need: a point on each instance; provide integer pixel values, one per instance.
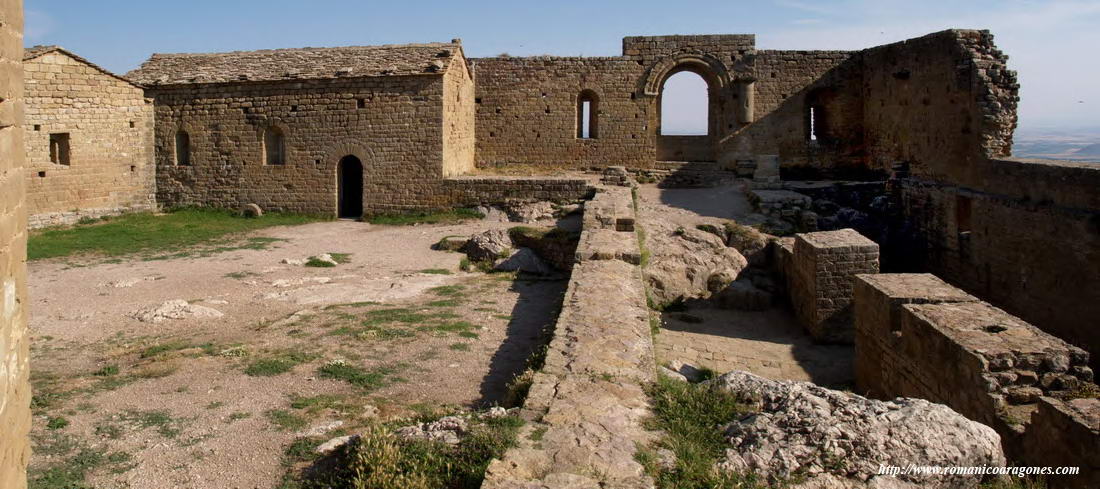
(534, 315)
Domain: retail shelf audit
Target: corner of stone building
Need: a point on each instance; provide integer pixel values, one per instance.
(15, 393)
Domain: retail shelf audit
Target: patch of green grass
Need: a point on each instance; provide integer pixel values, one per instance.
(689, 416)
(155, 234)
(276, 364)
(437, 217)
(380, 460)
(56, 423)
(456, 327)
(448, 290)
(436, 271)
(159, 419)
(285, 420)
(170, 346)
(215, 405)
(316, 403)
(468, 334)
(341, 258)
(71, 472)
(537, 434)
(460, 346)
(367, 379)
(315, 262)
(400, 315)
(107, 371)
(240, 275)
(445, 303)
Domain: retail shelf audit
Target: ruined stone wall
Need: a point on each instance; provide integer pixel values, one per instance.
(784, 81)
(458, 120)
(917, 336)
(473, 191)
(15, 395)
(1070, 437)
(589, 401)
(527, 107)
(1022, 234)
(394, 125)
(110, 130)
(1026, 240)
(941, 103)
(527, 112)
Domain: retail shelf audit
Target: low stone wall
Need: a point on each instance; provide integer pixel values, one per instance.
(917, 336)
(589, 399)
(820, 280)
(472, 191)
(74, 216)
(1070, 435)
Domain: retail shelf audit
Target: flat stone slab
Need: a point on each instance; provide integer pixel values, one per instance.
(611, 207)
(608, 244)
(841, 240)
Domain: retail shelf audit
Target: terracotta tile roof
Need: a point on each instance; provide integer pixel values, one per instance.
(302, 63)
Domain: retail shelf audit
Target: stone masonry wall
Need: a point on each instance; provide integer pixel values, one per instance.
(1025, 238)
(1070, 437)
(916, 336)
(785, 80)
(15, 395)
(1022, 234)
(110, 128)
(458, 120)
(527, 112)
(588, 400)
(527, 107)
(822, 272)
(397, 135)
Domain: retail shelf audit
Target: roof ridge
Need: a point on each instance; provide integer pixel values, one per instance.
(313, 48)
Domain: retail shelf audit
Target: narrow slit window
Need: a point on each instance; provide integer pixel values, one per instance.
(274, 147)
(587, 115)
(813, 124)
(183, 148)
(963, 210)
(59, 148)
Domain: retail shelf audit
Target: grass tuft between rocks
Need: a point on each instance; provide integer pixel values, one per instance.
(690, 415)
(381, 460)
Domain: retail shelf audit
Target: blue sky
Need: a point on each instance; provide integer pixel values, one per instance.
(1051, 43)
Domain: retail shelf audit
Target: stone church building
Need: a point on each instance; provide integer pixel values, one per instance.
(326, 130)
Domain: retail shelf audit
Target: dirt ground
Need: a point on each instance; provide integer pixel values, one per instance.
(204, 402)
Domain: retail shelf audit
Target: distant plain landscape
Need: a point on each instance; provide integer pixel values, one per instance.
(1073, 144)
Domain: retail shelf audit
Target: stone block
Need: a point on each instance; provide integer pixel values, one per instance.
(822, 278)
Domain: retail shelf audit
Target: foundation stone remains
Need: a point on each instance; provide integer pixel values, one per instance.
(919, 337)
(821, 278)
